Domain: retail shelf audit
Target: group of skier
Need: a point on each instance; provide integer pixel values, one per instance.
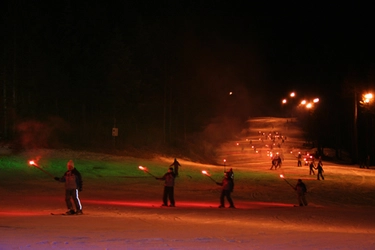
(73, 185)
(169, 180)
(276, 162)
(318, 167)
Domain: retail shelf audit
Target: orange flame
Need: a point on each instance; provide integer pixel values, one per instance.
(281, 176)
(205, 172)
(32, 163)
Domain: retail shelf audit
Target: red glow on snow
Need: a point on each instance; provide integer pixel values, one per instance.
(185, 204)
(22, 213)
(148, 204)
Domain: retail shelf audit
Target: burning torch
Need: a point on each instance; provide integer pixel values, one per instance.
(32, 163)
(146, 171)
(208, 175)
(224, 164)
(282, 177)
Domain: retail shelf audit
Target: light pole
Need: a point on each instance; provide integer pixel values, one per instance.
(366, 137)
(283, 109)
(365, 100)
(285, 102)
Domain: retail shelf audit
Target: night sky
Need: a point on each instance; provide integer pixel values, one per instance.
(170, 66)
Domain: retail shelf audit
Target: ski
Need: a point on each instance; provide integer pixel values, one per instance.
(64, 214)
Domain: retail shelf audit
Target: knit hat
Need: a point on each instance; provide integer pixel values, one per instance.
(70, 163)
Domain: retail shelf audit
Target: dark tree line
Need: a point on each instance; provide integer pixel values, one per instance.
(71, 71)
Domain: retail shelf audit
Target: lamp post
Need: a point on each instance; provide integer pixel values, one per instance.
(365, 138)
(355, 130)
(292, 96)
(365, 100)
(283, 110)
(285, 102)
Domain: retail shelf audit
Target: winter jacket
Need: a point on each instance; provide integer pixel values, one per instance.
(72, 179)
(169, 179)
(227, 184)
(301, 188)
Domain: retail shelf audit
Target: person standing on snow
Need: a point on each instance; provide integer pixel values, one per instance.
(299, 162)
(320, 169)
(227, 188)
(301, 190)
(175, 164)
(312, 167)
(73, 184)
(168, 188)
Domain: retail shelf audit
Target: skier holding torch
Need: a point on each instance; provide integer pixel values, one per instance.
(73, 184)
(168, 188)
(301, 190)
(227, 188)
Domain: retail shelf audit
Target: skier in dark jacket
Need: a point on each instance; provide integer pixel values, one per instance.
(320, 169)
(73, 184)
(299, 162)
(175, 164)
(301, 190)
(226, 191)
(312, 167)
(168, 188)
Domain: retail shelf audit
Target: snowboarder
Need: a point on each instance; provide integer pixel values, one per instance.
(73, 185)
(168, 188)
(301, 190)
(227, 188)
(175, 164)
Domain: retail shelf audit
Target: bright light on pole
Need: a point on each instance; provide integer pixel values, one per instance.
(367, 98)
